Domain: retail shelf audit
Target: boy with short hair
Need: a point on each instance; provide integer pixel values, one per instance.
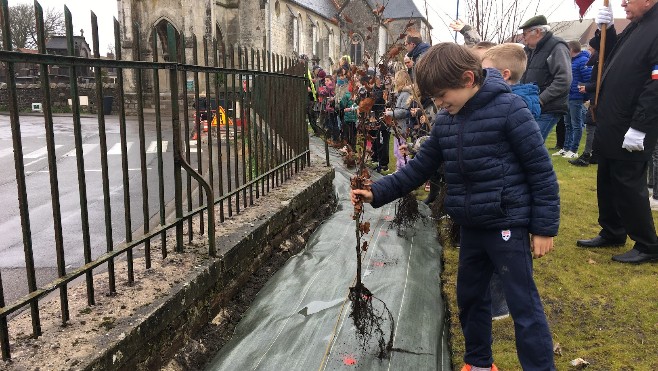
(502, 190)
(510, 60)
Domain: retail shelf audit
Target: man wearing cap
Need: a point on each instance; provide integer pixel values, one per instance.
(549, 66)
(626, 133)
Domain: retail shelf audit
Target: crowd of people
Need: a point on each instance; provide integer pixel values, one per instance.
(497, 104)
(334, 99)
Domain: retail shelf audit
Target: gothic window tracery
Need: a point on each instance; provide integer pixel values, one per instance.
(356, 48)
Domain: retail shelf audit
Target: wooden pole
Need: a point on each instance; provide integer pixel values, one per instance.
(601, 60)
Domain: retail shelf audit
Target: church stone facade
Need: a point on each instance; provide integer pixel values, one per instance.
(323, 30)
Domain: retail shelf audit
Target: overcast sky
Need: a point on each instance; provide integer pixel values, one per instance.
(440, 13)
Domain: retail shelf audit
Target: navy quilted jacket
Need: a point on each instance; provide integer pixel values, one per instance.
(497, 169)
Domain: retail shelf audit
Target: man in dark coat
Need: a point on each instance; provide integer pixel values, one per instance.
(627, 119)
(549, 66)
(415, 47)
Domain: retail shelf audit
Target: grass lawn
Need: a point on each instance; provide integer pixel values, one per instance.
(601, 311)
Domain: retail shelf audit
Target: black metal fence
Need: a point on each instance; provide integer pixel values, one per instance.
(255, 98)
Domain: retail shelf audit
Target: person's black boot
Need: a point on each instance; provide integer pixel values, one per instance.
(593, 160)
(583, 160)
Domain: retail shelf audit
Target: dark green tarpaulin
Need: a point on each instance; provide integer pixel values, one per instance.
(300, 319)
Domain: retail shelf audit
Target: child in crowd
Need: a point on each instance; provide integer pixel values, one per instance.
(349, 107)
(510, 60)
(328, 91)
(588, 156)
(502, 190)
(401, 114)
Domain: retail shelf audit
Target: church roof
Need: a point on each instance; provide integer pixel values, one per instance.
(326, 8)
(60, 43)
(398, 9)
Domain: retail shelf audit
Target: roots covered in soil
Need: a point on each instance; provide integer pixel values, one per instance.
(406, 213)
(369, 322)
(349, 156)
(447, 230)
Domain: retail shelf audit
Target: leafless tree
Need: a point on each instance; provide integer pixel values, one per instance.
(23, 25)
(499, 20)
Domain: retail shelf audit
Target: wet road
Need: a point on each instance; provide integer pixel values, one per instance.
(12, 256)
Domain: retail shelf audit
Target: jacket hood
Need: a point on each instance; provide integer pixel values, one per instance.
(407, 89)
(492, 86)
(583, 54)
(418, 50)
(525, 89)
(530, 94)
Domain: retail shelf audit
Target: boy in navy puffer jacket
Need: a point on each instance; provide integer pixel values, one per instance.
(502, 190)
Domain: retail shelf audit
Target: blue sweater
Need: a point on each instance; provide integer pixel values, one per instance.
(497, 170)
(581, 73)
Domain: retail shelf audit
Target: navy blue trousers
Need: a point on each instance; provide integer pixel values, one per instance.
(483, 251)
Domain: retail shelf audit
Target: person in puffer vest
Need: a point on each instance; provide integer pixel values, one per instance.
(502, 190)
(549, 66)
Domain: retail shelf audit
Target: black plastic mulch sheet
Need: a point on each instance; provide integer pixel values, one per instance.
(300, 319)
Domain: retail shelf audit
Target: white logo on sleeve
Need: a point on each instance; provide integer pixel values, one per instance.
(506, 233)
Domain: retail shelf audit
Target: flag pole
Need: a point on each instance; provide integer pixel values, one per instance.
(457, 17)
(601, 60)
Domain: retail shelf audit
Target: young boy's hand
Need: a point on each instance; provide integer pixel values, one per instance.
(356, 194)
(403, 149)
(541, 245)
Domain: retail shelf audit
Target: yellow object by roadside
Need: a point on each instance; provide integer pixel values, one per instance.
(224, 117)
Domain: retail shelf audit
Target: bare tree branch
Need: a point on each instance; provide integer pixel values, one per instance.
(498, 20)
(23, 25)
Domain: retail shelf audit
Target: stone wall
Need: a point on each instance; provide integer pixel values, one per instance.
(282, 37)
(148, 344)
(146, 322)
(59, 94)
(362, 18)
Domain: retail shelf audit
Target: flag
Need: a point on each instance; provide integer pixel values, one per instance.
(583, 5)
(654, 73)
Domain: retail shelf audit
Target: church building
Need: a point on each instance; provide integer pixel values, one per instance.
(323, 30)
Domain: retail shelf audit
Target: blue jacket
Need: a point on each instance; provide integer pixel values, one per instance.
(581, 73)
(497, 170)
(419, 50)
(530, 94)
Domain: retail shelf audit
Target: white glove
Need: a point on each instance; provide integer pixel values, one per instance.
(604, 16)
(633, 140)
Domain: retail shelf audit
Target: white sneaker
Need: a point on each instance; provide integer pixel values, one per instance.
(570, 154)
(560, 153)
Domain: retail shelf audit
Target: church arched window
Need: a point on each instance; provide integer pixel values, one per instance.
(356, 48)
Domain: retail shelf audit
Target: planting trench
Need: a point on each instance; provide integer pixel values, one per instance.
(300, 318)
